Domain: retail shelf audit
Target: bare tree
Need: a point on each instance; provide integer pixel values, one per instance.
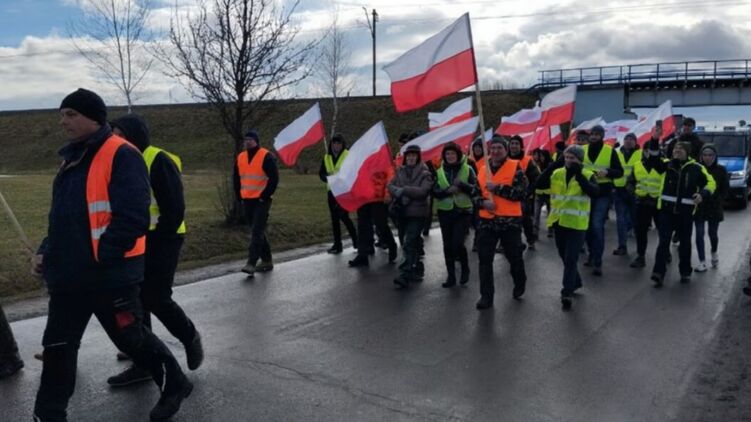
(112, 36)
(334, 67)
(234, 54)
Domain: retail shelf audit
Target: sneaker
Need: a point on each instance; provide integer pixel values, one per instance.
(597, 271)
(359, 261)
(621, 250)
(194, 352)
(336, 249)
(10, 367)
(715, 260)
(249, 269)
(657, 279)
(265, 267)
(132, 375)
(566, 303)
(169, 404)
(638, 262)
(702, 267)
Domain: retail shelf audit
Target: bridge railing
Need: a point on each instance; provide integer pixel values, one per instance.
(639, 73)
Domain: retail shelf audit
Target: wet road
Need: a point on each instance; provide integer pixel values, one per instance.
(315, 340)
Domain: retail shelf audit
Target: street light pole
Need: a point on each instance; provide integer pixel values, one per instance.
(372, 27)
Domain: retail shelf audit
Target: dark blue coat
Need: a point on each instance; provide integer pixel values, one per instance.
(69, 263)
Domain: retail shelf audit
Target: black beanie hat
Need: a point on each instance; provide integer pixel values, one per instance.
(87, 103)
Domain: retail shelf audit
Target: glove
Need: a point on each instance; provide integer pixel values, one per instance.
(398, 192)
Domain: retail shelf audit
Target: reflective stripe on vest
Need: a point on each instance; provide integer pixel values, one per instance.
(331, 168)
(460, 200)
(252, 177)
(628, 167)
(149, 155)
(569, 206)
(504, 176)
(601, 163)
(647, 183)
(673, 199)
(98, 197)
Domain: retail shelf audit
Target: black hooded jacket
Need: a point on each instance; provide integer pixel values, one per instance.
(164, 176)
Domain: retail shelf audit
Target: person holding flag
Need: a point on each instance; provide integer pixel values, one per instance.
(531, 172)
(330, 165)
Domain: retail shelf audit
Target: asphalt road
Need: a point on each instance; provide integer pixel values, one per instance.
(317, 341)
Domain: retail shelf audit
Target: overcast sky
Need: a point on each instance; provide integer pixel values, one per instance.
(514, 39)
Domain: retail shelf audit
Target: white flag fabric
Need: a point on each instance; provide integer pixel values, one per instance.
(456, 112)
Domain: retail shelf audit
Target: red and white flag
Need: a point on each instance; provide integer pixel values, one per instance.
(352, 186)
(456, 112)
(643, 130)
(555, 136)
(431, 144)
(558, 106)
(540, 138)
(523, 121)
(305, 131)
(615, 131)
(442, 65)
(585, 126)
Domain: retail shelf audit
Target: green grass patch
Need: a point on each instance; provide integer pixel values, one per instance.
(299, 217)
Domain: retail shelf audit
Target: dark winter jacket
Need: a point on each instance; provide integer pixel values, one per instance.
(410, 190)
(69, 263)
(269, 167)
(712, 209)
(166, 182)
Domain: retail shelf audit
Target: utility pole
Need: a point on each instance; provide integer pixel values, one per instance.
(372, 27)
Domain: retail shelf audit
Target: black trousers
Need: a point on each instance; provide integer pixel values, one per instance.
(368, 215)
(646, 212)
(411, 267)
(257, 214)
(528, 217)
(338, 214)
(454, 230)
(682, 224)
(162, 255)
(489, 232)
(8, 346)
(120, 313)
(569, 243)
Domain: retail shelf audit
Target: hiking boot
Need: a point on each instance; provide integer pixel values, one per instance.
(169, 404)
(715, 260)
(194, 352)
(265, 266)
(638, 262)
(359, 261)
(10, 367)
(621, 250)
(657, 278)
(336, 249)
(484, 303)
(249, 269)
(702, 267)
(566, 303)
(132, 375)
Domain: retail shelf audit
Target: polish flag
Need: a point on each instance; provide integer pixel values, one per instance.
(643, 130)
(540, 138)
(558, 106)
(431, 144)
(555, 136)
(523, 121)
(615, 131)
(442, 65)
(456, 112)
(305, 131)
(585, 126)
(352, 186)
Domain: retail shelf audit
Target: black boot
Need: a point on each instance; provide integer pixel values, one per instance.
(335, 249)
(485, 302)
(359, 261)
(169, 403)
(464, 278)
(194, 352)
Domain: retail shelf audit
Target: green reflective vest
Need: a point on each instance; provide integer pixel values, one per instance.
(331, 168)
(569, 205)
(601, 163)
(628, 167)
(149, 154)
(460, 199)
(648, 183)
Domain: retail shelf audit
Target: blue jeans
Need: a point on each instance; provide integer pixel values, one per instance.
(596, 232)
(569, 242)
(713, 238)
(625, 210)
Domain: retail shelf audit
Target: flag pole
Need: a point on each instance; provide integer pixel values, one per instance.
(18, 227)
(479, 103)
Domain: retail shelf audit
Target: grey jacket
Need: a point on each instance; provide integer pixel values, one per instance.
(410, 190)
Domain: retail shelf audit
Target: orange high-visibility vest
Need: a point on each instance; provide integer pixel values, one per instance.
(504, 176)
(524, 162)
(253, 179)
(98, 197)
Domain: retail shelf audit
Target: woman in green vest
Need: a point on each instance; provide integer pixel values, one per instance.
(456, 184)
(571, 189)
(331, 164)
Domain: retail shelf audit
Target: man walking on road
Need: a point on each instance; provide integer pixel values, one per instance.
(10, 360)
(532, 172)
(500, 218)
(623, 195)
(93, 259)
(256, 178)
(163, 242)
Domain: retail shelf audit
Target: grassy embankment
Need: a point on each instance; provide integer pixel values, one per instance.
(29, 141)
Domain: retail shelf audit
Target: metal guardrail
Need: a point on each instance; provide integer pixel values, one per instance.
(707, 70)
